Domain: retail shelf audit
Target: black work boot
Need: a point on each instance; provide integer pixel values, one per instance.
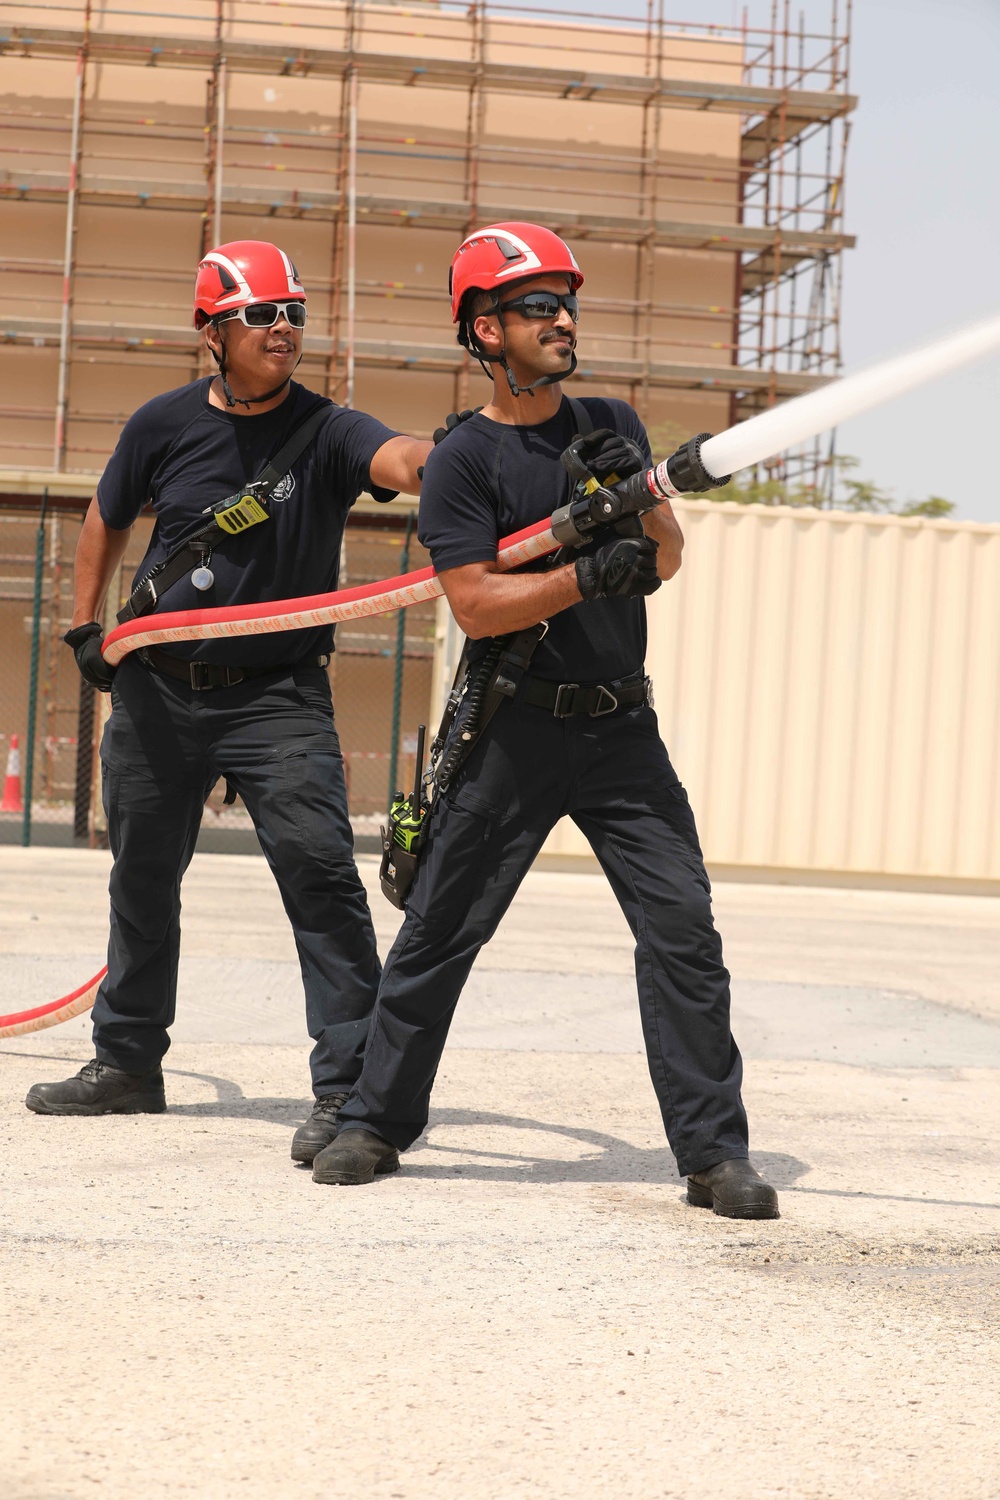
(356, 1156)
(320, 1128)
(100, 1089)
(734, 1190)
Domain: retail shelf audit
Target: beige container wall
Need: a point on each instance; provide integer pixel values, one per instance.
(828, 688)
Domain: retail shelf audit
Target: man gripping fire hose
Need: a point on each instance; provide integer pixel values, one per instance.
(251, 477)
(556, 719)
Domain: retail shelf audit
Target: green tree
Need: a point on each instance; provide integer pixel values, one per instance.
(859, 494)
(934, 507)
(753, 491)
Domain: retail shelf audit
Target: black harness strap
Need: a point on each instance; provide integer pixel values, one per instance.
(496, 678)
(500, 671)
(581, 416)
(279, 465)
(231, 518)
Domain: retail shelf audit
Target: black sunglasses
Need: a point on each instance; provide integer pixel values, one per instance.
(544, 305)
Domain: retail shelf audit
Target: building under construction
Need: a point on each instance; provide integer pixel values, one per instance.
(697, 171)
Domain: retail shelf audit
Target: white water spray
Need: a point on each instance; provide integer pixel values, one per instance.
(783, 426)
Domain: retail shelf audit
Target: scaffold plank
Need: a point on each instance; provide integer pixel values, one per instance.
(404, 355)
(452, 215)
(802, 108)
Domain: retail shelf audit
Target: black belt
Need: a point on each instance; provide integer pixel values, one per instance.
(203, 676)
(565, 699)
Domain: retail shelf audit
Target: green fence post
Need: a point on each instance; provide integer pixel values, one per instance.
(36, 627)
(397, 681)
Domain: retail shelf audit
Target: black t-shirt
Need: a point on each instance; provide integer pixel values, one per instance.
(184, 456)
(487, 480)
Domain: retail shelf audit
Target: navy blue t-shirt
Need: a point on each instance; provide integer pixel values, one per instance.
(487, 480)
(184, 456)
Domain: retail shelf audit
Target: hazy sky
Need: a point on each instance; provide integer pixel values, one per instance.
(923, 198)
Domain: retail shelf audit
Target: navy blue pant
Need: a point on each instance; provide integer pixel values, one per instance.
(614, 778)
(163, 750)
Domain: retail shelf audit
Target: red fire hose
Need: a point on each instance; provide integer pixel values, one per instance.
(263, 619)
(43, 1016)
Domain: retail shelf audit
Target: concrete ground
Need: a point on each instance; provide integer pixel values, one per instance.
(529, 1310)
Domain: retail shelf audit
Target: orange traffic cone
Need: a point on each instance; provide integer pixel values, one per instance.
(11, 800)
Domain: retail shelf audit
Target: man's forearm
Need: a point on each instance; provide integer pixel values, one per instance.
(98, 554)
(502, 602)
(662, 526)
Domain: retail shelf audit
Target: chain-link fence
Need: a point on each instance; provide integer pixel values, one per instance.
(40, 696)
(381, 674)
(51, 723)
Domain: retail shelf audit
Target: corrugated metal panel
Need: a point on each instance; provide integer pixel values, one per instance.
(828, 687)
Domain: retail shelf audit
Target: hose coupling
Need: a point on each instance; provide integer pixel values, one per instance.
(686, 471)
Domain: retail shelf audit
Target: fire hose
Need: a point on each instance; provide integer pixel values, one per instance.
(697, 466)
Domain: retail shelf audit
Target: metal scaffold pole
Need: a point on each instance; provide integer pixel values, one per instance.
(36, 630)
(352, 232)
(474, 124)
(220, 146)
(62, 388)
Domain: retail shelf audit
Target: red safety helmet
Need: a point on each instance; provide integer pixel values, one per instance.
(243, 272)
(501, 254)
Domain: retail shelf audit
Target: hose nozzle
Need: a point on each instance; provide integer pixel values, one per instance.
(683, 473)
(686, 471)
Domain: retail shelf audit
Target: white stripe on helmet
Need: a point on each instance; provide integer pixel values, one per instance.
(295, 286)
(516, 268)
(213, 258)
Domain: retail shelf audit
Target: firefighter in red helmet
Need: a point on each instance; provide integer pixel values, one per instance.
(254, 710)
(494, 259)
(249, 282)
(556, 720)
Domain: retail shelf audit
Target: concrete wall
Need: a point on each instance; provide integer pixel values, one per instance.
(828, 687)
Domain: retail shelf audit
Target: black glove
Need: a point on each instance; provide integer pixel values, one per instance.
(452, 420)
(624, 568)
(611, 457)
(86, 641)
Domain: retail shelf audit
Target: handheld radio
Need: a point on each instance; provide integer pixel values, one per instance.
(402, 836)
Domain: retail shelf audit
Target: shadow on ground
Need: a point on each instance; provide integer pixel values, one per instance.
(609, 1158)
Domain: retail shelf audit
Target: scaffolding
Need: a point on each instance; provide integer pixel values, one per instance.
(697, 169)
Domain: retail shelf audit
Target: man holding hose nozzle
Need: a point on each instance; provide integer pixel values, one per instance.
(556, 719)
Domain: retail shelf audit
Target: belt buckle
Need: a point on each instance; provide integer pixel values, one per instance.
(647, 683)
(558, 711)
(199, 675)
(600, 710)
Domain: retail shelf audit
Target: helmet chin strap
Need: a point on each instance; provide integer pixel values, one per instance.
(469, 341)
(529, 390)
(247, 401)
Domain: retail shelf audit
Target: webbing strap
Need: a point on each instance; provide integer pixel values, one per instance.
(581, 416)
(278, 466)
(511, 664)
(212, 534)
